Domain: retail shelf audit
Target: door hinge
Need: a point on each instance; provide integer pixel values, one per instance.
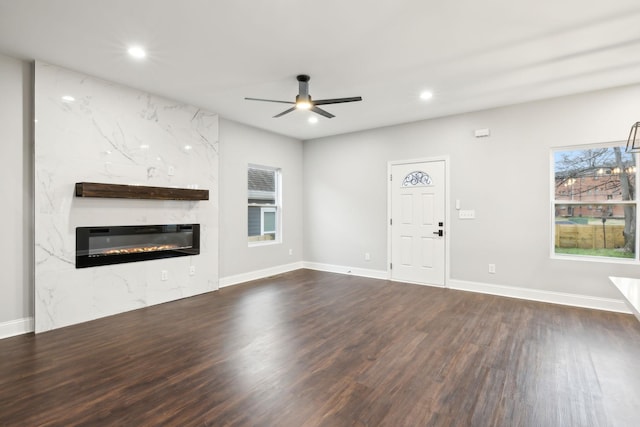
(390, 266)
(390, 221)
(390, 177)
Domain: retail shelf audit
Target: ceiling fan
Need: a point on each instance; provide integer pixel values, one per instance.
(304, 102)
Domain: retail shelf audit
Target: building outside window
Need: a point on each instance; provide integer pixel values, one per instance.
(594, 202)
(263, 201)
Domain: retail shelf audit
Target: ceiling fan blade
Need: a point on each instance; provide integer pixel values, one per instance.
(321, 112)
(337, 100)
(285, 112)
(269, 100)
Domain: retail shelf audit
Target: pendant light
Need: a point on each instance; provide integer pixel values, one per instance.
(633, 143)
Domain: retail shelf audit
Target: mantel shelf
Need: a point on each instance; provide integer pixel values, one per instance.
(120, 191)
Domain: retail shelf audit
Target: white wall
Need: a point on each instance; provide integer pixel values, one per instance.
(505, 178)
(118, 135)
(16, 215)
(241, 145)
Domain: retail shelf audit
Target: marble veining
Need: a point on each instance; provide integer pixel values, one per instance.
(115, 134)
(629, 287)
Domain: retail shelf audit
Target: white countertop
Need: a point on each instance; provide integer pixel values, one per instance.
(630, 289)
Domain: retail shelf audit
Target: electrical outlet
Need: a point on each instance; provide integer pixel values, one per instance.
(290, 251)
(467, 214)
(492, 268)
(192, 270)
(367, 256)
(164, 275)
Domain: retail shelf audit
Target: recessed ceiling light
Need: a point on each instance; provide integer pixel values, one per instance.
(313, 119)
(137, 52)
(68, 98)
(426, 95)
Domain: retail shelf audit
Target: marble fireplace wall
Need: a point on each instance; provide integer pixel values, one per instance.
(88, 129)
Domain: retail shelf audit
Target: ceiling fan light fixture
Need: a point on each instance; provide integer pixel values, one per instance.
(303, 102)
(633, 142)
(303, 105)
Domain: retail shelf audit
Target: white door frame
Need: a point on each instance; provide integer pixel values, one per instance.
(447, 213)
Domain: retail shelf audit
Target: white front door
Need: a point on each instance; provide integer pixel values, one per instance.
(417, 222)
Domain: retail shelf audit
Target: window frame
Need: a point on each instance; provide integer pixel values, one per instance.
(555, 202)
(267, 207)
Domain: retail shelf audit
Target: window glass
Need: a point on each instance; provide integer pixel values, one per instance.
(263, 187)
(268, 220)
(594, 202)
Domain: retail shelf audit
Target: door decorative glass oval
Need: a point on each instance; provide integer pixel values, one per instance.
(416, 179)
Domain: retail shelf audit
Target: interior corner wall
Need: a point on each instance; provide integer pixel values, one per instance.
(505, 178)
(241, 145)
(16, 175)
(91, 130)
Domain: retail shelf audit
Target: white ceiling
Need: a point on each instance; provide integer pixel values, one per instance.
(473, 54)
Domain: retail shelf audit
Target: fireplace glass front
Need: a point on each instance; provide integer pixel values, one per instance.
(119, 244)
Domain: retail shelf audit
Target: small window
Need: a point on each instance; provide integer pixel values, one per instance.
(594, 202)
(263, 200)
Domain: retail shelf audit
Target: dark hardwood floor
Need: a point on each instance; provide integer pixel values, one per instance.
(319, 349)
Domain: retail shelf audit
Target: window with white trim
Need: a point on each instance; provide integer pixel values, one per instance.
(594, 202)
(263, 201)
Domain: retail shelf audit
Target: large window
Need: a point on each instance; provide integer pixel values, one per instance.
(594, 202)
(263, 204)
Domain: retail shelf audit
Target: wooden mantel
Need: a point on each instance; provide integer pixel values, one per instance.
(120, 191)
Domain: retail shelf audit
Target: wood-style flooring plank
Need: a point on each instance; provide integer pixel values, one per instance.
(309, 348)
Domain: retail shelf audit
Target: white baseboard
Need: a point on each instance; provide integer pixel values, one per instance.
(258, 274)
(574, 300)
(363, 272)
(16, 327)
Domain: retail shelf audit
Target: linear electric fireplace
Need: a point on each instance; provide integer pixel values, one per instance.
(119, 244)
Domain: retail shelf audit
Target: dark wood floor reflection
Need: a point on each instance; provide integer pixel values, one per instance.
(318, 349)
